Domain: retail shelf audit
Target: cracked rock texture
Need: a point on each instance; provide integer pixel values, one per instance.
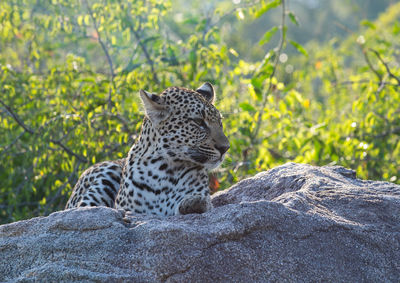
(294, 223)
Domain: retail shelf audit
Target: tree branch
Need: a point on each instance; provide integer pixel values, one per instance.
(31, 131)
(335, 83)
(379, 76)
(106, 53)
(276, 62)
(140, 42)
(7, 147)
(69, 151)
(16, 118)
(145, 52)
(386, 65)
(230, 12)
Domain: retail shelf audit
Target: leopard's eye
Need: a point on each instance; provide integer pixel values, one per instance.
(200, 122)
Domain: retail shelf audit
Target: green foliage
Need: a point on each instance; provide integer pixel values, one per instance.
(70, 72)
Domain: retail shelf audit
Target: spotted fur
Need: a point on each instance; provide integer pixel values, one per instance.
(98, 185)
(166, 171)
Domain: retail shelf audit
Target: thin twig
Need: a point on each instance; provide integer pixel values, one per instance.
(276, 62)
(230, 12)
(141, 44)
(119, 118)
(31, 131)
(145, 52)
(343, 27)
(106, 53)
(386, 65)
(7, 147)
(17, 118)
(381, 86)
(370, 65)
(69, 151)
(334, 83)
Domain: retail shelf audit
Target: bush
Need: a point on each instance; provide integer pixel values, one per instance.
(70, 75)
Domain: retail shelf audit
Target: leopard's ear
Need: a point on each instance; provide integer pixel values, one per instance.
(155, 107)
(207, 91)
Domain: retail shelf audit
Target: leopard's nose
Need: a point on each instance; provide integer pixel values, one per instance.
(222, 148)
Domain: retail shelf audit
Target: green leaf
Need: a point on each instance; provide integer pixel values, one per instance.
(257, 82)
(247, 107)
(80, 20)
(396, 28)
(267, 7)
(267, 36)
(87, 20)
(367, 23)
(293, 18)
(113, 40)
(299, 47)
(192, 57)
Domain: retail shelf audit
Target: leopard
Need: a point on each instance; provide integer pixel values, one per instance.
(166, 170)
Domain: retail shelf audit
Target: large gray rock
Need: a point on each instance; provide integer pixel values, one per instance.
(293, 223)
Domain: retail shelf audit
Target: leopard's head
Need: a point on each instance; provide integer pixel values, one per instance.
(188, 124)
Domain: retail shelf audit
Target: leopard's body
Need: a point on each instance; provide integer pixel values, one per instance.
(98, 185)
(166, 171)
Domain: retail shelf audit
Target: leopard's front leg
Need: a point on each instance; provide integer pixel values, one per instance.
(194, 204)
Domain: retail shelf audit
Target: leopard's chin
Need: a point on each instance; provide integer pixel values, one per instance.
(214, 164)
(211, 166)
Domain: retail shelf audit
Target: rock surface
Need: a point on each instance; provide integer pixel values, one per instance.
(294, 223)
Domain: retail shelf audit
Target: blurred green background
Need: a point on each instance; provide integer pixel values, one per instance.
(306, 81)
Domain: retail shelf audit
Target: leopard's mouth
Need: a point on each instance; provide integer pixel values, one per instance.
(205, 157)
